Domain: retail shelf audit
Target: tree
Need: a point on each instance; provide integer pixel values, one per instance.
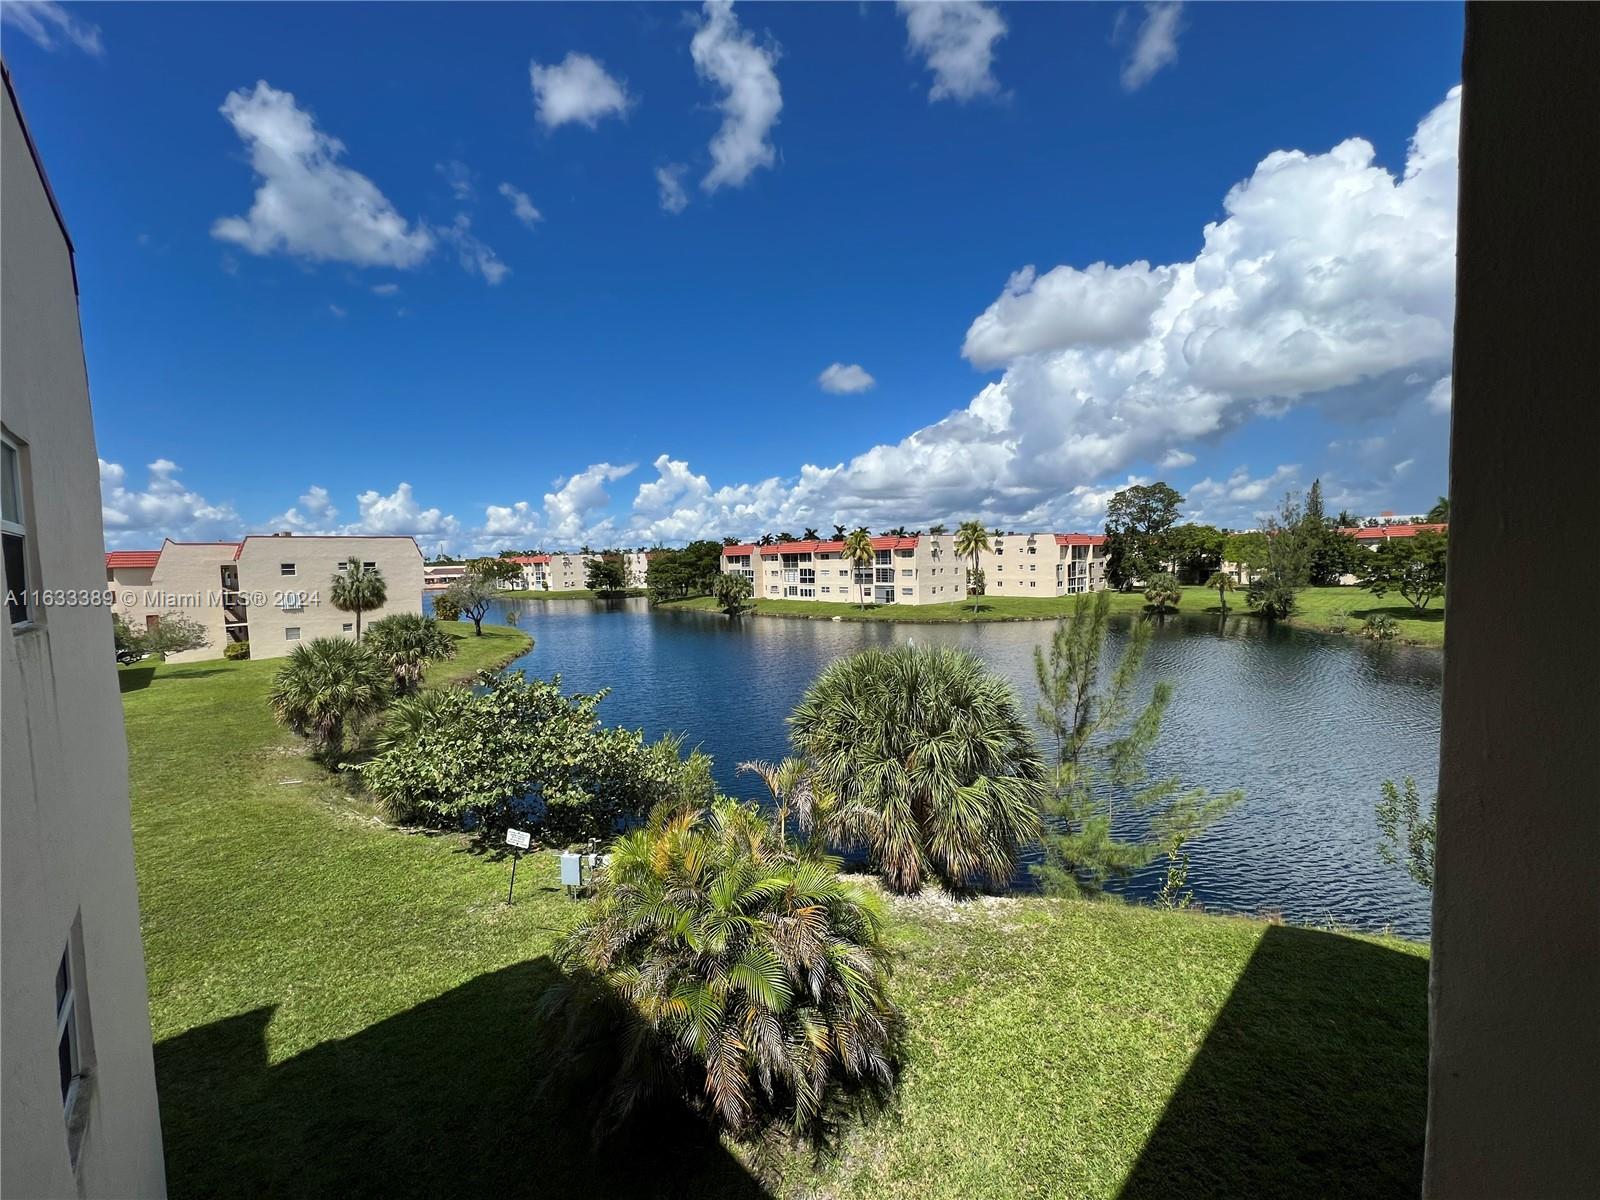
(501, 572)
(786, 537)
(470, 596)
(927, 761)
(1102, 748)
(358, 588)
(405, 643)
(938, 530)
(1137, 521)
(445, 608)
(1407, 832)
(1162, 592)
(608, 575)
(1274, 591)
(971, 541)
(839, 533)
(733, 594)
(1413, 566)
(859, 553)
(1221, 583)
(789, 784)
(516, 748)
(1439, 514)
(899, 531)
(173, 633)
(715, 967)
(327, 687)
(808, 535)
(1330, 554)
(1195, 550)
(1248, 550)
(691, 571)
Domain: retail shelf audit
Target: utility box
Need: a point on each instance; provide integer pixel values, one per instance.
(571, 870)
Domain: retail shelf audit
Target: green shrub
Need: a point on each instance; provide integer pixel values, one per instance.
(1380, 627)
(1162, 592)
(236, 650)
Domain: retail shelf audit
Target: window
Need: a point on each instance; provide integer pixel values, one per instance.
(13, 522)
(291, 633)
(908, 591)
(69, 1051)
(349, 627)
(826, 589)
(293, 602)
(286, 569)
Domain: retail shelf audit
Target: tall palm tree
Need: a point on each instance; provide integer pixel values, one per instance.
(326, 686)
(838, 533)
(712, 962)
(1221, 583)
(358, 588)
(928, 761)
(808, 535)
(858, 550)
(938, 529)
(405, 642)
(972, 540)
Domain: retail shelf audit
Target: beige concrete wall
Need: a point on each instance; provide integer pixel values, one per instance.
(316, 561)
(66, 852)
(187, 581)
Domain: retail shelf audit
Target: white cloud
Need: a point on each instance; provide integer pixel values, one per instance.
(164, 508)
(1174, 460)
(1099, 305)
(521, 206)
(337, 311)
(842, 380)
(1440, 395)
(727, 56)
(1155, 45)
(308, 205)
(518, 520)
(577, 89)
(458, 177)
(669, 181)
(956, 40)
(385, 289)
(314, 513)
(399, 514)
(474, 256)
(567, 509)
(45, 21)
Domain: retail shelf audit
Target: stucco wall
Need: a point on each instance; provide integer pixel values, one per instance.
(66, 852)
(316, 561)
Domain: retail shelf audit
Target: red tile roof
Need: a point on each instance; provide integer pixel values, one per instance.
(1080, 539)
(528, 559)
(878, 543)
(1382, 533)
(132, 558)
(735, 551)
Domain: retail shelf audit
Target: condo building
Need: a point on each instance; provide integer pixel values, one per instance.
(568, 571)
(920, 569)
(271, 590)
(77, 1076)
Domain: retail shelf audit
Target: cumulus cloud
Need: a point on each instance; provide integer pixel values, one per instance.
(1154, 46)
(843, 380)
(475, 257)
(568, 508)
(163, 508)
(955, 39)
(314, 513)
(521, 206)
(576, 90)
(1097, 306)
(308, 205)
(727, 56)
(1440, 395)
(51, 26)
(399, 513)
(669, 182)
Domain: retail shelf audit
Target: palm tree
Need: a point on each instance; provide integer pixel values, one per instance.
(358, 588)
(1222, 583)
(971, 540)
(411, 715)
(858, 550)
(1162, 591)
(838, 533)
(405, 642)
(810, 535)
(789, 785)
(714, 963)
(327, 686)
(928, 761)
(938, 530)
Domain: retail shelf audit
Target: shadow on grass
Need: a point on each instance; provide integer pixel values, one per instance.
(1311, 1082)
(1400, 612)
(440, 1100)
(135, 679)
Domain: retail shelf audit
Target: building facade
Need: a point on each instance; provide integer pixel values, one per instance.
(271, 590)
(77, 1076)
(920, 569)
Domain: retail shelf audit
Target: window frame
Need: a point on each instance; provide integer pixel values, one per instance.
(21, 614)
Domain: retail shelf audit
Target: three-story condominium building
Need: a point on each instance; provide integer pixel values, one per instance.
(77, 1077)
(920, 569)
(271, 590)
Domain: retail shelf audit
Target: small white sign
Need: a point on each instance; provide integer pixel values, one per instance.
(519, 838)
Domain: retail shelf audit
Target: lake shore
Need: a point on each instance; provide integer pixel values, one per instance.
(1338, 610)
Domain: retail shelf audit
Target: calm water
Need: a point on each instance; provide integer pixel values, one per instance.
(1308, 725)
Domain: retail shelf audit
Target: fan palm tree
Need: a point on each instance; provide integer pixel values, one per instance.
(411, 715)
(753, 981)
(358, 588)
(938, 529)
(326, 686)
(972, 540)
(858, 550)
(1221, 583)
(928, 762)
(405, 642)
(1162, 591)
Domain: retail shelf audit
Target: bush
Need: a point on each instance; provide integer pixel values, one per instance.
(327, 687)
(733, 594)
(718, 970)
(445, 607)
(1380, 628)
(236, 650)
(1161, 592)
(405, 642)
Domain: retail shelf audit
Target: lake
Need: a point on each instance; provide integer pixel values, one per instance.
(1308, 724)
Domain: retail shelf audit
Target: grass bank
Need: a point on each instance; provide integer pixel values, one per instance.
(343, 1009)
(1329, 610)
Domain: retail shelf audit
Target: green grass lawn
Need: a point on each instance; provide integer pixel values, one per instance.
(1330, 610)
(343, 1009)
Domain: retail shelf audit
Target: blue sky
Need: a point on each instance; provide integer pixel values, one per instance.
(365, 334)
